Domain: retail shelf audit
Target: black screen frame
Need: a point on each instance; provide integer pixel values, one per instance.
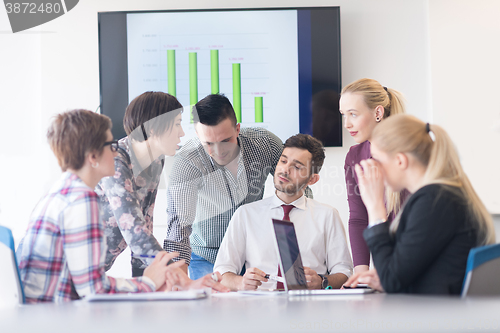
(318, 108)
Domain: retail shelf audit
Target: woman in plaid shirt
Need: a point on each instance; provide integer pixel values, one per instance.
(62, 256)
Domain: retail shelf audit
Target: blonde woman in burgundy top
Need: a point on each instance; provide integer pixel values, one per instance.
(364, 104)
(425, 248)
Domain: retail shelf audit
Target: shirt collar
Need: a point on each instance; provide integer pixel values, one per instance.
(300, 203)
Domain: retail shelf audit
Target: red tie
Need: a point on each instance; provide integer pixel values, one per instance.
(286, 211)
(286, 217)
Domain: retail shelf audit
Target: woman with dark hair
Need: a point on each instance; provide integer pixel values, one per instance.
(152, 122)
(153, 125)
(60, 258)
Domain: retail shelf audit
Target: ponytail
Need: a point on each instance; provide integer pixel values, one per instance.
(397, 105)
(407, 134)
(374, 94)
(444, 168)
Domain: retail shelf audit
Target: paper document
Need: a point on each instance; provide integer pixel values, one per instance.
(155, 296)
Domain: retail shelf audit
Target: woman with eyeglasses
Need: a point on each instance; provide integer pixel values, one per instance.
(61, 258)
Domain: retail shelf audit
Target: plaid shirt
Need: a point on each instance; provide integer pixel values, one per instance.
(202, 196)
(62, 256)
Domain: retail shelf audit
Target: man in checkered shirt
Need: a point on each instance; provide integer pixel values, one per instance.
(223, 168)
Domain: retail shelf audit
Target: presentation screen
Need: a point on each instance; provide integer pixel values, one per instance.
(280, 68)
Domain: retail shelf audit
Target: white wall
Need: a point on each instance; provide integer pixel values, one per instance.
(54, 68)
(465, 57)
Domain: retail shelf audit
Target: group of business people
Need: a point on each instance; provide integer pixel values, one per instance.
(411, 205)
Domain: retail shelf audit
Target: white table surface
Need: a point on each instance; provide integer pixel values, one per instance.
(358, 313)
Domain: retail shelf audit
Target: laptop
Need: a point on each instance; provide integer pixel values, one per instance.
(291, 263)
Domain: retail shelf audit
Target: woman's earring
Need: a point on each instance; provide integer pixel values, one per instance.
(96, 165)
(377, 119)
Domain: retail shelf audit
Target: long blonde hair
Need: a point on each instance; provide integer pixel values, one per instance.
(407, 134)
(374, 94)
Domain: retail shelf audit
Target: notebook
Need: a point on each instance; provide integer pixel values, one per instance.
(291, 263)
(155, 296)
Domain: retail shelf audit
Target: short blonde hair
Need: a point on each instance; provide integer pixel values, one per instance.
(73, 134)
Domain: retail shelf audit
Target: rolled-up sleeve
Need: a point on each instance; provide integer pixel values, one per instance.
(231, 256)
(85, 248)
(338, 258)
(182, 196)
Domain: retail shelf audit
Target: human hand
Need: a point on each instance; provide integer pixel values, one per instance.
(178, 280)
(313, 279)
(371, 188)
(252, 279)
(369, 277)
(158, 269)
(210, 281)
(361, 268)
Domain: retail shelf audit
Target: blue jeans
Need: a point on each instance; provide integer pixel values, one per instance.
(199, 267)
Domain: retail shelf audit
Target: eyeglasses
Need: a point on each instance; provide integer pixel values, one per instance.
(113, 145)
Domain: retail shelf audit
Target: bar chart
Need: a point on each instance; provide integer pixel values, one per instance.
(217, 53)
(214, 82)
(214, 62)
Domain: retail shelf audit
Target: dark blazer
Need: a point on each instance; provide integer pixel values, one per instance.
(429, 251)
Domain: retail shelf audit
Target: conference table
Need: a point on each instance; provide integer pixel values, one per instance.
(236, 313)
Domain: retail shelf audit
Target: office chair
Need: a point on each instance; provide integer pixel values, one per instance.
(483, 269)
(11, 288)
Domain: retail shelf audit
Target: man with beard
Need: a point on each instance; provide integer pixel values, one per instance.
(249, 239)
(221, 169)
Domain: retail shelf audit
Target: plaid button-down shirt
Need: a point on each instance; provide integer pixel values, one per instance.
(62, 256)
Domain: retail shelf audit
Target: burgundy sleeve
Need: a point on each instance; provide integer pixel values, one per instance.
(358, 216)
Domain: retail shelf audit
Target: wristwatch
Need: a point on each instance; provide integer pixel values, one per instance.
(325, 282)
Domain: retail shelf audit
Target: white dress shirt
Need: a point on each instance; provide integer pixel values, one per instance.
(250, 240)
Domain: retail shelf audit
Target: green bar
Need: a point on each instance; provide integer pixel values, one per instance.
(259, 110)
(193, 80)
(171, 72)
(214, 70)
(237, 91)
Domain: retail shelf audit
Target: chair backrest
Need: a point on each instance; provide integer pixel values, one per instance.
(482, 272)
(11, 288)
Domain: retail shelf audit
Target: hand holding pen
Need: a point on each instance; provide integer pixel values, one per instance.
(275, 278)
(254, 277)
(149, 256)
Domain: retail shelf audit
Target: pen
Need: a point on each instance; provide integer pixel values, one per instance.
(151, 256)
(275, 278)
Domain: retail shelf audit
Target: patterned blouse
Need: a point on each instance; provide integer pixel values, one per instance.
(61, 258)
(127, 206)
